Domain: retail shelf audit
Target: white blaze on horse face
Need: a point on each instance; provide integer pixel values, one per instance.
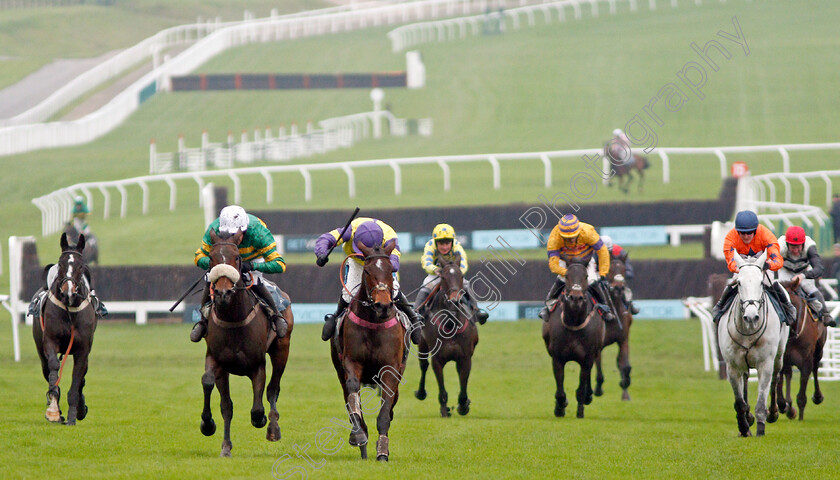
(576, 287)
(452, 270)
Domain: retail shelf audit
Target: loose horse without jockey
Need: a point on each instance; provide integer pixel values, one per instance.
(371, 233)
(572, 240)
(618, 253)
(750, 238)
(801, 259)
(443, 246)
(258, 254)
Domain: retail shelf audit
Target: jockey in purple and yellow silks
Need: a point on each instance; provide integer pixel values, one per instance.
(258, 252)
(572, 240)
(371, 233)
(444, 245)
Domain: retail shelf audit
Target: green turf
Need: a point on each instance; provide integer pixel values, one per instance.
(144, 394)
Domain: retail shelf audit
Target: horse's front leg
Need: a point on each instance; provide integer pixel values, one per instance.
(223, 384)
(390, 395)
(422, 353)
(74, 403)
(358, 435)
(599, 376)
(784, 380)
(464, 365)
(258, 418)
(623, 363)
(584, 390)
(741, 408)
(818, 396)
(802, 396)
(279, 354)
(766, 372)
(208, 381)
(560, 402)
(53, 413)
(443, 396)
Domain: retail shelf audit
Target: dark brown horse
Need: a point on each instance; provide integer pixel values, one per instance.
(66, 327)
(574, 332)
(448, 335)
(624, 170)
(238, 338)
(91, 251)
(617, 332)
(804, 350)
(370, 349)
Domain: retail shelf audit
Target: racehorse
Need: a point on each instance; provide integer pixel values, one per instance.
(91, 251)
(617, 332)
(574, 332)
(370, 348)
(752, 336)
(804, 350)
(624, 170)
(716, 283)
(66, 327)
(238, 337)
(449, 336)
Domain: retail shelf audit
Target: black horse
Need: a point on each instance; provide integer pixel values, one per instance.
(65, 327)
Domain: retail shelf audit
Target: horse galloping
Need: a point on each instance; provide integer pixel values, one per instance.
(370, 348)
(66, 326)
(238, 338)
(450, 335)
(751, 335)
(624, 169)
(804, 350)
(617, 332)
(574, 332)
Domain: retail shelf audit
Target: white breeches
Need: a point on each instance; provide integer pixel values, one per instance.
(591, 271)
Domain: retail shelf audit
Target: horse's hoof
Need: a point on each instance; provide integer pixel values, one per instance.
(82, 413)
(363, 449)
(746, 434)
(750, 419)
(420, 394)
(358, 440)
(258, 419)
(382, 458)
(759, 430)
(445, 411)
(772, 417)
(588, 399)
(208, 428)
(791, 412)
(71, 423)
(225, 453)
(599, 391)
(625, 396)
(464, 409)
(817, 398)
(273, 433)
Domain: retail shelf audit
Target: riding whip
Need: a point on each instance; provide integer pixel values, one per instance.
(323, 260)
(187, 292)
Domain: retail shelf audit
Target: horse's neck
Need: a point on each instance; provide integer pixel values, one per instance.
(240, 305)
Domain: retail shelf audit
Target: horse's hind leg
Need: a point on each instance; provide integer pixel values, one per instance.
(258, 418)
(279, 354)
(560, 402)
(53, 413)
(443, 396)
(464, 365)
(818, 396)
(802, 396)
(785, 377)
(223, 384)
(623, 363)
(422, 353)
(80, 366)
(208, 381)
(599, 376)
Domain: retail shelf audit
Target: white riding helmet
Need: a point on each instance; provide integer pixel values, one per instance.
(607, 241)
(233, 219)
(617, 132)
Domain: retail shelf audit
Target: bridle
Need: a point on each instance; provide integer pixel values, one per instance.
(758, 303)
(237, 286)
(379, 287)
(79, 286)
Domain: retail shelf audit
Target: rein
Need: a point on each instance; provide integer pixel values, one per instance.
(380, 286)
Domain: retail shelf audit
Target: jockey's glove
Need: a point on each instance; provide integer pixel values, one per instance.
(246, 266)
(321, 261)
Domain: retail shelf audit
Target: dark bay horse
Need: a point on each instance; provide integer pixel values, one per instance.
(624, 171)
(370, 349)
(804, 350)
(617, 332)
(574, 332)
(91, 251)
(238, 338)
(66, 327)
(448, 335)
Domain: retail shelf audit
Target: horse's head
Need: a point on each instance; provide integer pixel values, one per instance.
(616, 275)
(451, 279)
(574, 293)
(70, 286)
(225, 265)
(377, 277)
(750, 287)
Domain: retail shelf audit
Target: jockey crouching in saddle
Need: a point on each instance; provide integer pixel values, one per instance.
(79, 220)
(750, 238)
(444, 246)
(575, 240)
(258, 254)
(801, 259)
(618, 253)
(619, 147)
(371, 233)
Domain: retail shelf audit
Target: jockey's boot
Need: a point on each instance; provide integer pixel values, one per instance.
(633, 308)
(601, 292)
(402, 303)
(628, 301)
(825, 314)
(784, 299)
(278, 323)
(717, 310)
(200, 328)
(35, 304)
(478, 315)
(556, 288)
(330, 320)
(101, 311)
(422, 295)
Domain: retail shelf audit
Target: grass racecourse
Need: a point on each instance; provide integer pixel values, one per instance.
(144, 395)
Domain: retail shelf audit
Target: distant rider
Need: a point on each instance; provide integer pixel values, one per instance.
(802, 260)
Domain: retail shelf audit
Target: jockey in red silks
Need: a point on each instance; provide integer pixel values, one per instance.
(750, 238)
(802, 260)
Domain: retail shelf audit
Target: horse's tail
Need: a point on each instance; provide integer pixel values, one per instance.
(645, 162)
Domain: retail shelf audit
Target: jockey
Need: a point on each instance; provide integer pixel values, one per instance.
(371, 233)
(80, 212)
(750, 238)
(621, 254)
(258, 253)
(444, 245)
(620, 147)
(801, 259)
(575, 240)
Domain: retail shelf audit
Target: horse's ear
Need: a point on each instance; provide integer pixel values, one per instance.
(457, 257)
(63, 242)
(390, 246)
(794, 284)
(80, 245)
(237, 239)
(366, 251)
(213, 236)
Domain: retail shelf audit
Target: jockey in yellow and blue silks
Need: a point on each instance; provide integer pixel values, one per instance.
(371, 233)
(258, 252)
(444, 245)
(574, 240)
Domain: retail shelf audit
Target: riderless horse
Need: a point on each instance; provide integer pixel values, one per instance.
(574, 332)
(238, 338)
(617, 332)
(752, 336)
(448, 335)
(65, 327)
(370, 348)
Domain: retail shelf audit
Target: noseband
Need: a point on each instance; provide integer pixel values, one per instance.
(379, 287)
(758, 303)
